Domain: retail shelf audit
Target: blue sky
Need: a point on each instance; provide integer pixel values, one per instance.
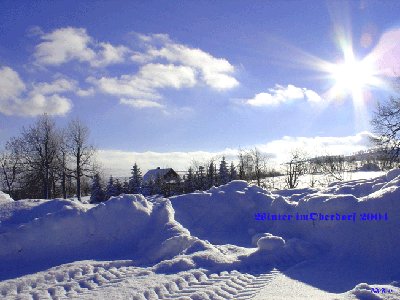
(164, 82)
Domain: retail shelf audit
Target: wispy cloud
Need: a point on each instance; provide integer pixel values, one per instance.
(385, 55)
(163, 64)
(214, 72)
(141, 103)
(145, 84)
(66, 44)
(43, 98)
(317, 145)
(281, 94)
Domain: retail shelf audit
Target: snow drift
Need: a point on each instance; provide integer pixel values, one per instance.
(64, 230)
(217, 229)
(5, 197)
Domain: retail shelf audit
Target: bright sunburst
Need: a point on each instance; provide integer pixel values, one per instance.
(352, 75)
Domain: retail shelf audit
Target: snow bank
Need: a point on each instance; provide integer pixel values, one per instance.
(225, 214)
(356, 219)
(235, 226)
(5, 197)
(64, 229)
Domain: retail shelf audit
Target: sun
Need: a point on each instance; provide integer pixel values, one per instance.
(352, 76)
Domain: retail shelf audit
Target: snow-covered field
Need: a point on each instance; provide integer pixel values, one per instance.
(309, 243)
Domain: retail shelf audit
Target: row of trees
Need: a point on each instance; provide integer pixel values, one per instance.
(197, 178)
(47, 161)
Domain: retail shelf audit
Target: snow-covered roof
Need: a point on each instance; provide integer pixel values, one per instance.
(154, 172)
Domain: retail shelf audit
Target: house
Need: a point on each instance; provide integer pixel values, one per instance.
(169, 175)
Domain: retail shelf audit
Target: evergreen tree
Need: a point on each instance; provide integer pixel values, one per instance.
(152, 185)
(201, 181)
(211, 175)
(118, 188)
(159, 184)
(241, 172)
(110, 189)
(223, 172)
(232, 172)
(189, 181)
(136, 180)
(125, 187)
(145, 189)
(97, 193)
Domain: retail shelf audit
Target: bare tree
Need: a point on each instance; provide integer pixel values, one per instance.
(39, 146)
(81, 151)
(386, 123)
(295, 167)
(259, 164)
(333, 166)
(245, 165)
(11, 166)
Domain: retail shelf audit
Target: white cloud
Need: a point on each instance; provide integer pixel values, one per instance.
(117, 162)
(280, 95)
(66, 44)
(160, 76)
(110, 55)
(37, 102)
(85, 93)
(214, 71)
(141, 103)
(317, 145)
(61, 85)
(312, 96)
(11, 85)
(385, 56)
(35, 105)
(145, 84)
(63, 45)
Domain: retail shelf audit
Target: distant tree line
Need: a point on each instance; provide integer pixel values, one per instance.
(199, 176)
(47, 161)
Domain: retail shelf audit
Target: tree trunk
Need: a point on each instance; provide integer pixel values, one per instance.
(78, 174)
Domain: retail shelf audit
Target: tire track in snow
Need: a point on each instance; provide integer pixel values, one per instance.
(80, 282)
(197, 285)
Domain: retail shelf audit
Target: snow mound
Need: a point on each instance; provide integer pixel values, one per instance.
(124, 225)
(392, 174)
(225, 214)
(369, 167)
(270, 243)
(346, 218)
(5, 197)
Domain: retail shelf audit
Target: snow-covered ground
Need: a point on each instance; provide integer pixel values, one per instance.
(232, 242)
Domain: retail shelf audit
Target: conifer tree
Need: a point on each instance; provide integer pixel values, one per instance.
(125, 187)
(110, 189)
(232, 172)
(118, 187)
(152, 185)
(136, 180)
(159, 184)
(97, 193)
(211, 175)
(190, 182)
(223, 174)
(201, 182)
